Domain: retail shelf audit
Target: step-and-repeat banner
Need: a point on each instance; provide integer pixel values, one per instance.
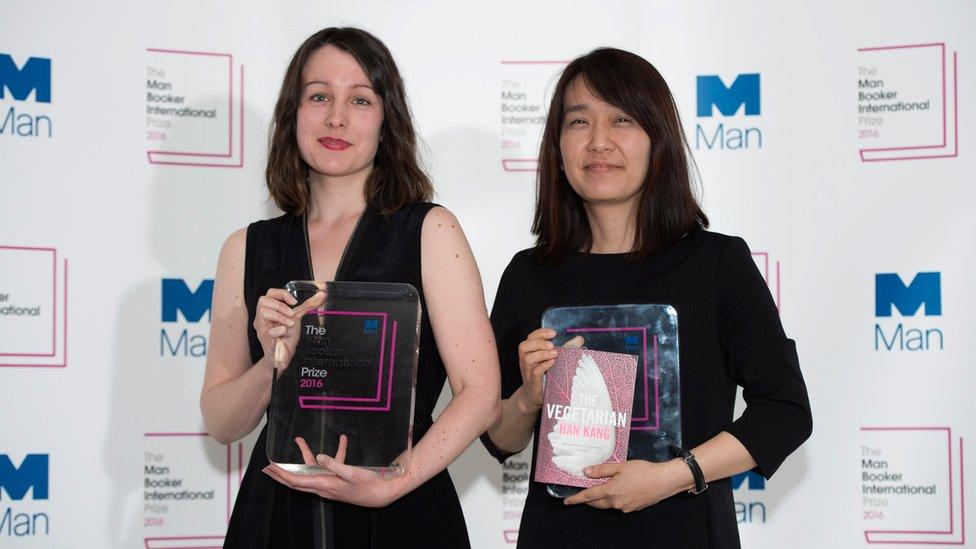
(836, 138)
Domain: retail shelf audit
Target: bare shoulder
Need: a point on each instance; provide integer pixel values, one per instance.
(235, 245)
(446, 254)
(441, 225)
(229, 281)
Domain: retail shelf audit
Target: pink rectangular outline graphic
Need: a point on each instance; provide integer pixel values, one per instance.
(150, 542)
(524, 164)
(230, 102)
(512, 164)
(962, 496)
(765, 256)
(219, 543)
(657, 398)
(54, 310)
(230, 107)
(389, 384)
(940, 45)
(379, 374)
(531, 62)
(54, 298)
(955, 100)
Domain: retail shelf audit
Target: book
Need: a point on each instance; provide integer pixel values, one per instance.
(586, 412)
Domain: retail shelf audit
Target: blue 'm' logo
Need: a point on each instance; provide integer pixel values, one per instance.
(631, 340)
(32, 473)
(754, 480)
(177, 296)
(34, 76)
(371, 326)
(743, 91)
(889, 290)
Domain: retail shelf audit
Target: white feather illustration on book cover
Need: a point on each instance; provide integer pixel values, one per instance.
(585, 415)
(571, 450)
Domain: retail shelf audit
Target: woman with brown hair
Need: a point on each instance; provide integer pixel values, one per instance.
(343, 166)
(616, 222)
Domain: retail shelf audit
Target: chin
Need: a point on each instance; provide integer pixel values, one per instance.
(333, 169)
(606, 198)
(606, 193)
(602, 191)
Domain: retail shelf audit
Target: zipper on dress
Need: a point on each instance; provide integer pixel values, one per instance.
(323, 508)
(342, 258)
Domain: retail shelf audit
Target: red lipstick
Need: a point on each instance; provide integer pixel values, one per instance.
(602, 167)
(334, 143)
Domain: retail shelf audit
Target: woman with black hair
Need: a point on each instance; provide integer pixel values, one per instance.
(343, 166)
(616, 222)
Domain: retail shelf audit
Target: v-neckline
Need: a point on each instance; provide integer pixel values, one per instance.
(339, 273)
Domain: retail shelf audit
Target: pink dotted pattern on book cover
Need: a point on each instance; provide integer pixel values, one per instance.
(583, 388)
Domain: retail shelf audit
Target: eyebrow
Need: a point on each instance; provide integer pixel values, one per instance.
(577, 108)
(324, 83)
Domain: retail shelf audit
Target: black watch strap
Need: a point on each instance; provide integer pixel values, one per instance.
(696, 471)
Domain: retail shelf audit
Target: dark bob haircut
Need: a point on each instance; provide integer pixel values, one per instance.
(666, 208)
(396, 179)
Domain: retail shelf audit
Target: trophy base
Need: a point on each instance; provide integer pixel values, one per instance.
(306, 469)
(562, 492)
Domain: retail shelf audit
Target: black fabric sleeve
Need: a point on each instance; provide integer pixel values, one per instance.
(508, 335)
(760, 359)
(504, 322)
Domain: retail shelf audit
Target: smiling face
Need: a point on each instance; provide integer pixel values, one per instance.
(605, 152)
(340, 116)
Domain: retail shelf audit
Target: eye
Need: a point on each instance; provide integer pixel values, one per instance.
(576, 122)
(362, 101)
(622, 120)
(318, 98)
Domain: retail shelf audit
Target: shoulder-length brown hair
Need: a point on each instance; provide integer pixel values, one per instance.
(397, 178)
(666, 208)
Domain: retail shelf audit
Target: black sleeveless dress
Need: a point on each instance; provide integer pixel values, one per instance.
(268, 514)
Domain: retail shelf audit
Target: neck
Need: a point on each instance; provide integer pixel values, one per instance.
(335, 198)
(612, 226)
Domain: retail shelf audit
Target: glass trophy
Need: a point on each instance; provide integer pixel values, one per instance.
(353, 373)
(651, 333)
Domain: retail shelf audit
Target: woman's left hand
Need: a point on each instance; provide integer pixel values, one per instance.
(349, 484)
(633, 484)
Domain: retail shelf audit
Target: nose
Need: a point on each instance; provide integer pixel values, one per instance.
(336, 117)
(600, 140)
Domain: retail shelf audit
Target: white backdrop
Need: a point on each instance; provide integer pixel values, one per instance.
(854, 176)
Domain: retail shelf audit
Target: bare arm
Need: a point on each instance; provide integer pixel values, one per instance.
(513, 431)
(234, 394)
(718, 457)
(721, 457)
(458, 316)
(456, 307)
(636, 484)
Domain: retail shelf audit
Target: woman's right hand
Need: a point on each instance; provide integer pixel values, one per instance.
(536, 355)
(276, 321)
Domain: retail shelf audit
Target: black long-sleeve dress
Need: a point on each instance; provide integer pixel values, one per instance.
(269, 515)
(729, 335)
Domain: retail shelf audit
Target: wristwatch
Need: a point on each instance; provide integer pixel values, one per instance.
(696, 471)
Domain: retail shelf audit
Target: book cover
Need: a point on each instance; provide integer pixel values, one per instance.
(586, 412)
